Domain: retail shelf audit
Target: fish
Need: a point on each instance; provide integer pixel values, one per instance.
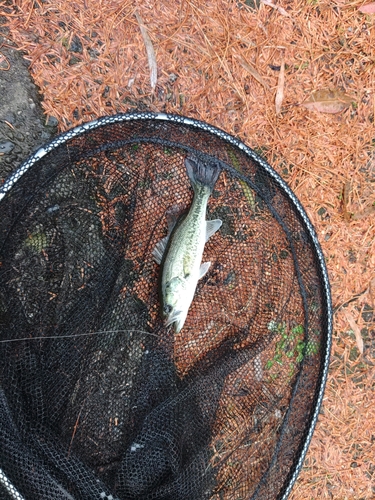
(180, 252)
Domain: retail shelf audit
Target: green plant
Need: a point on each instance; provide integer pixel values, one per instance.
(290, 349)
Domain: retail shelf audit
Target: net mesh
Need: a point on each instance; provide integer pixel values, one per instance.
(97, 398)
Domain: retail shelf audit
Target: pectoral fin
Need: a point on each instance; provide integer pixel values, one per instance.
(159, 250)
(211, 227)
(203, 269)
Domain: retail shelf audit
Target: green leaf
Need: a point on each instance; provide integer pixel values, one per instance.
(269, 364)
(299, 357)
(298, 329)
(312, 347)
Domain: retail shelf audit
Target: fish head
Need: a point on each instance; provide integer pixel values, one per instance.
(174, 305)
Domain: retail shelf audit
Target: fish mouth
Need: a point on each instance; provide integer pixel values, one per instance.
(173, 317)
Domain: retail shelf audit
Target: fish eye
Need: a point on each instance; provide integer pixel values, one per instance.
(167, 308)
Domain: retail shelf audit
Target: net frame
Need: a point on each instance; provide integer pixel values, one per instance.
(163, 117)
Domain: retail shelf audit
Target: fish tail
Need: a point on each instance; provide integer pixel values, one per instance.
(202, 174)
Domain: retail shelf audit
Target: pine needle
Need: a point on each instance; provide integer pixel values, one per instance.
(356, 330)
(282, 11)
(253, 72)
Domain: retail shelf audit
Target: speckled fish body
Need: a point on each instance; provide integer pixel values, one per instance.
(180, 253)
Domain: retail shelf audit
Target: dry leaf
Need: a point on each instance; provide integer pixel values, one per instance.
(253, 72)
(328, 101)
(367, 9)
(150, 52)
(280, 85)
(356, 330)
(282, 11)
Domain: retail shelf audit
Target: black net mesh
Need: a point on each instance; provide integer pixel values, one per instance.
(98, 400)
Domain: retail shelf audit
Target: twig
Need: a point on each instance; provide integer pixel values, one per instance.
(150, 51)
(280, 85)
(345, 200)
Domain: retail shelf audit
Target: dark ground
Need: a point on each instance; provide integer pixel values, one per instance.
(22, 123)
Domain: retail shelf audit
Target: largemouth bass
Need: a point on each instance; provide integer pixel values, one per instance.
(181, 251)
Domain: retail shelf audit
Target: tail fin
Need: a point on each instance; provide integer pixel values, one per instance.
(201, 174)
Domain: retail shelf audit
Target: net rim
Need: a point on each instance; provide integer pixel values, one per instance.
(192, 122)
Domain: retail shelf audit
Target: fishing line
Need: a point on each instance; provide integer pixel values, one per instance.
(79, 335)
